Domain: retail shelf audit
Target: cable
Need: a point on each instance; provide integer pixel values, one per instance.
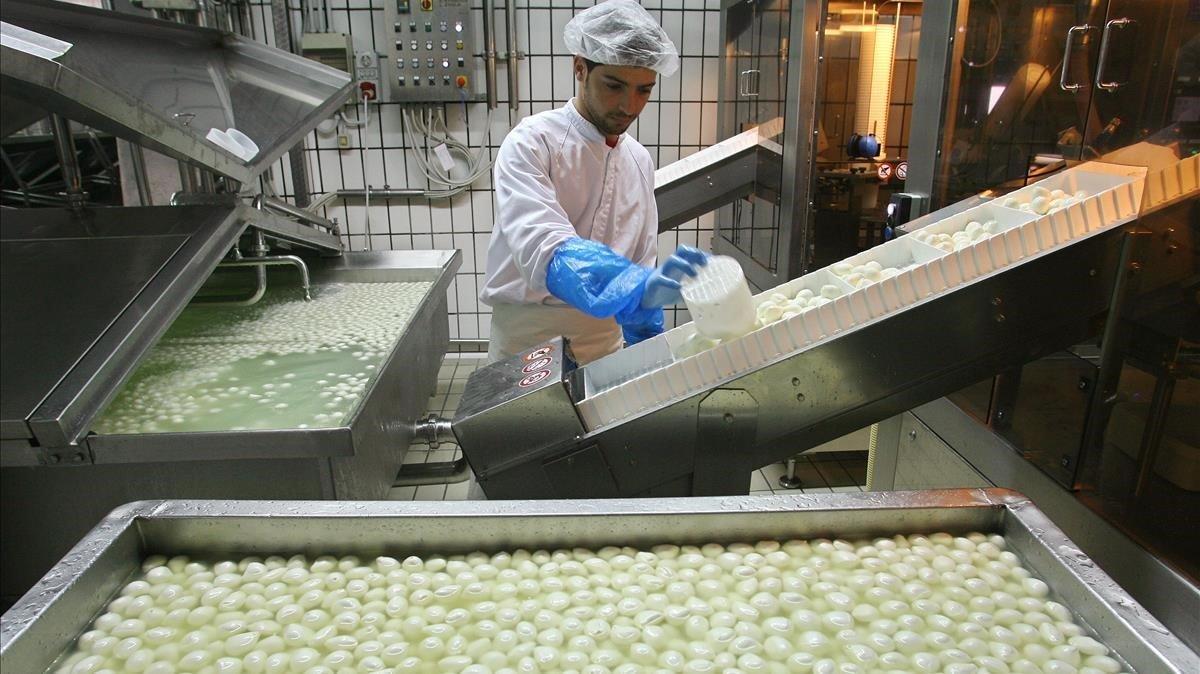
(428, 127)
(364, 118)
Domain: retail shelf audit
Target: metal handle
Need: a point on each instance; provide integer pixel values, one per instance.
(744, 80)
(1062, 78)
(1103, 61)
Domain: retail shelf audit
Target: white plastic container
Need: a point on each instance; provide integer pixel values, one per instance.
(719, 299)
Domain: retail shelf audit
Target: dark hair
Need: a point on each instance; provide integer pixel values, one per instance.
(589, 63)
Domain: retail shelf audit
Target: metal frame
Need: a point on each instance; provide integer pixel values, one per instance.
(804, 398)
(275, 218)
(42, 624)
(938, 55)
(710, 187)
(1161, 590)
(803, 80)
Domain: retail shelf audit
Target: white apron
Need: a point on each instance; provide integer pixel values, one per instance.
(518, 327)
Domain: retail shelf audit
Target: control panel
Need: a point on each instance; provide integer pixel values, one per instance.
(430, 51)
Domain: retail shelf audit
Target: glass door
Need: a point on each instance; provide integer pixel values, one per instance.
(1019, 96)
(1146, 79)
(755, 229)
(867, 88)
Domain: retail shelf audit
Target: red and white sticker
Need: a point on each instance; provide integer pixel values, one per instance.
(902, 170)
(538, 353)
(533, 378)
(537, 364)
(884, 172)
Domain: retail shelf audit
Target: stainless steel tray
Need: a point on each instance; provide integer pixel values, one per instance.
(381, 422)
(359, 460)
(47, 619)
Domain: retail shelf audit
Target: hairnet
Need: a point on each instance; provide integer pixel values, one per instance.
(621, 33)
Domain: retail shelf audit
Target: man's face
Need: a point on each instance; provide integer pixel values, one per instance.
(613, 96)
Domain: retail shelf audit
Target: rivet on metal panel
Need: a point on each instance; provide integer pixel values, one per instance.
(728, 418)
(996, 301)
(1091, 272)
(912, 435)
(999, 318)
(1135, 267)
(800, 397)
(1083, 384)
(795, 381)
(53, 458)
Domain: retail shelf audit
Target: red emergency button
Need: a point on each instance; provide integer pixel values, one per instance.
(427, 5)
(367, 90)
(461, 81)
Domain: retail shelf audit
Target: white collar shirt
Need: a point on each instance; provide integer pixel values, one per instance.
(556, 178)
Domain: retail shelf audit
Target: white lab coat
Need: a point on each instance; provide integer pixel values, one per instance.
(556, 178)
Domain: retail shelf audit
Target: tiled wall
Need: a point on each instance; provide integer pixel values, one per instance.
(680, 119)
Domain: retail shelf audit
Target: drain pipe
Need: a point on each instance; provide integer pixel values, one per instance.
(260, 261)
(435, 431)
(275, 260)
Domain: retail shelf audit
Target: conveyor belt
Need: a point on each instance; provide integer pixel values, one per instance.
(652, 421)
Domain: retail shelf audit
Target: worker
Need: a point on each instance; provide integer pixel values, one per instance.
(574, 244)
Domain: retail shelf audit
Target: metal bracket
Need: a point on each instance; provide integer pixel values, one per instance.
(1112, 346)
(70, 455)
(727, 423)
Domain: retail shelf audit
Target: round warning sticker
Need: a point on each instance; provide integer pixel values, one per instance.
(884, 171)
(533, 378)
(537, 364)
(902, 170)
(538, 353)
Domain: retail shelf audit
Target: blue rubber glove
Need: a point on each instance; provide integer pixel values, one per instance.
(662, 287)
(652, 326)
(594, 279)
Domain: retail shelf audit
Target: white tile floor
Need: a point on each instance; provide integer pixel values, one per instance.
(841, 467)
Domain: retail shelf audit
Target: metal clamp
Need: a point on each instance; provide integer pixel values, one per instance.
(435, 431)
(1066, 65)
(748, 82)
(1103, 60)
(264, 203)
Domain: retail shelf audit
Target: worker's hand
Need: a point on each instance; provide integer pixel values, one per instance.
(662, 288)
(650, 324)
